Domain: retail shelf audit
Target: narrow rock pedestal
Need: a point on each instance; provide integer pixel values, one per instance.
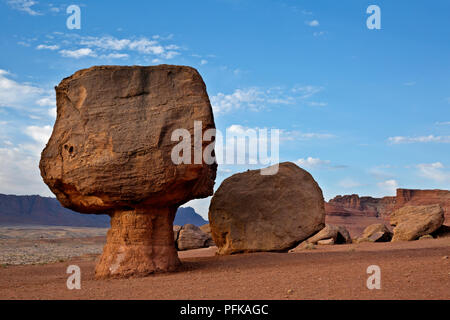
(140, 242)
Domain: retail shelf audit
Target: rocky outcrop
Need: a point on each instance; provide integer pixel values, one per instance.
(191, 237)
(111, 153)
(377, 232)
(355, 213)
(253, 212)
(353, 205)
(206, 228)
(328, 235)
(37, 210)
(412, 222)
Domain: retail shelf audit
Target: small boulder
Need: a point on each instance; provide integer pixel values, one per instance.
(425, 237)
(338, 235)
(191, 237)
(326, 241)
(412, 222)
(377, 232)
(380, 236)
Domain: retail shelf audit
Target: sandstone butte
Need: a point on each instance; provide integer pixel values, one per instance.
(356, 212)
(110, 153)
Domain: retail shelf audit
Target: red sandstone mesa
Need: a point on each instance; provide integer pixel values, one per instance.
(356, 212)
(110, 153)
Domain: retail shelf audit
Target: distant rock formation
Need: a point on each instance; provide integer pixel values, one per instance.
(356, 212)
(47, 211)
(187, 215)
(37, 210)
(252, 212)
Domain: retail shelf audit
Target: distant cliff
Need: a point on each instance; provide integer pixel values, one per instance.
(356, 212)
(39, 210)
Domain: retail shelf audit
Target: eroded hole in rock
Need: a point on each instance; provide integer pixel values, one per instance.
(340, 239)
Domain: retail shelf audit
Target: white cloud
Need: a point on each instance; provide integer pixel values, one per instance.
(142, 45)
(201, 206)
(255, 98)
(443, 123)
(307, 91)
(106, 42)
(318, 33)
(79, 53)
(349, 183)
(409, 84)
(47, 101)
(298, 135)
(39, 134)
(203, 62)
(52, 112)
(15, 94)
(114, 56)
(249, 98)
(47, 47)
(434, 171)
(312, 23)
(19, 172)
(317, 104)
(420, 139)
(25, 6)
(389, 187)
(311, 162)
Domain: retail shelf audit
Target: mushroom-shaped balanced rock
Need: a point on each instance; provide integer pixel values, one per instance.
(111, 153)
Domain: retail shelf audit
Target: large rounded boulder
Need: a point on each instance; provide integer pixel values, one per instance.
(253, 212)
(413, 222)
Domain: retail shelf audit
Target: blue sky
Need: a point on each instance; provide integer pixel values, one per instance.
(364, 111)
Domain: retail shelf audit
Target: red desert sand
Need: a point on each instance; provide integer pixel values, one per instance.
(409, 270)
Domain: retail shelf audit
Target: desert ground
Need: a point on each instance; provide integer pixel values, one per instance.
(34, 260)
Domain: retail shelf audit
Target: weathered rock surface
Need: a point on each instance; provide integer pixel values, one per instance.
(380, 236)
(328, 235)
(377, 232)
(206, 228)
(412, 222)
(356, 212)
(110, 152)
(176, 233)
(191, 237)
(326, 241)
(253, 212)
